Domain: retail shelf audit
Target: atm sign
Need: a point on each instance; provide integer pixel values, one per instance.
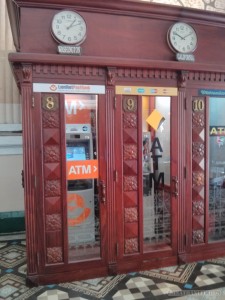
(82, 169)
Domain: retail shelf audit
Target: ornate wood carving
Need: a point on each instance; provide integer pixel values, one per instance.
(52, 188)
(53, 222)
(50, 119)
(198, 169)
(131, 214)
(198, 236)
(182, 79)
(111, 75)
(130, 120)
(27, 73)
(198, 179)
(67, 71)
(130, 183)
(131, 245)
(130, 178)
(51, 154)
(198, 208)
(198, 150)
(129, 151)
(134, 73)
(52, 174)
(23, 74)
(54, 255)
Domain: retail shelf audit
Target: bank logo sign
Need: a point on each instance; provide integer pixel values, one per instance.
(209, 92)
(68, 88)
(146, 90)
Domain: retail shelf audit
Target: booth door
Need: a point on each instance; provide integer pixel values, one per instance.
(71, 181)
(85, 176)
(147, 183)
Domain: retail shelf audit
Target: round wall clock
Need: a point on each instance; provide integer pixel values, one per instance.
(68, 27)
(182, 38)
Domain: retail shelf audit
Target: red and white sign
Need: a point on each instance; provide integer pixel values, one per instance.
(82, 169)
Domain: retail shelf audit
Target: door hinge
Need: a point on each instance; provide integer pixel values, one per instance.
(115, 176)
(115, 102)
(117, 249)
(185, 172)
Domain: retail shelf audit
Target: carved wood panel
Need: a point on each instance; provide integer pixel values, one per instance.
(198, 170)
(52, 177)
(130, 178)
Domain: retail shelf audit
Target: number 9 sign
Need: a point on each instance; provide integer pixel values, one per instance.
(130, 103)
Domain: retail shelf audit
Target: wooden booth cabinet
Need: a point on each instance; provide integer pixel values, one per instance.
(123, 107)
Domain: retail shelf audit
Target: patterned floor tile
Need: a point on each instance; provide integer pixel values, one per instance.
(176, 273)
(211, 274)
(78, 298)
(136, 288)
(186, 282)
(98, 287)
(14, 287)
(12, 256)
(165, 288)
(53, 295)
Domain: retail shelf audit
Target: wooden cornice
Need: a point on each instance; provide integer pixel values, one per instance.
(36, 58)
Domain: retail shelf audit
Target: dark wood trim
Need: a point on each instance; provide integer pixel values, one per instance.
(37, 58)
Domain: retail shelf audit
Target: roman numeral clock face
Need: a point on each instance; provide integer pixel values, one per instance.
(68, 27)
(182, 38)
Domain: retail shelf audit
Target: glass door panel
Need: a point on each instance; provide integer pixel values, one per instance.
(156, 172)
(216, 169)
(82, 176)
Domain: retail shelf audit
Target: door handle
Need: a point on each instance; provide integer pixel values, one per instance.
(175, 186)
(103, 191)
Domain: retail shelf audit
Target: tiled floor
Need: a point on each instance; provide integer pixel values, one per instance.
(200, 280)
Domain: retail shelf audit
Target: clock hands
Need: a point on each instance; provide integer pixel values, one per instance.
(183, 37)
(72, 24)
(175, 33)
(188, 34)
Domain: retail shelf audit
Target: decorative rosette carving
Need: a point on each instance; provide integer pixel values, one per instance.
(131, 245)
(198, 208)
(53, 222)
(54, 255)
(198, 236)
(130, 183)
(130, 120)
(129, 151)
(131, 215)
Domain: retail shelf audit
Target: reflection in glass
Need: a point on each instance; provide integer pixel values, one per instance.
(216, 169)
(156, 171)
(82, 176)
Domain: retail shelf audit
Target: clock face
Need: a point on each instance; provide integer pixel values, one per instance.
(68, 27)
(182, 38)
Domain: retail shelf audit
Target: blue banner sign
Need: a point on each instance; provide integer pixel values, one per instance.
(208, 92)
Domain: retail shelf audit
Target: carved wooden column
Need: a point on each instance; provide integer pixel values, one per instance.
(130, 161)
(52, 175)
(24, 76)
(198, 170)
(111, 205)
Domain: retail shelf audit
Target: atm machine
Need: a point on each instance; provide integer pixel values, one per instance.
(80, 192)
